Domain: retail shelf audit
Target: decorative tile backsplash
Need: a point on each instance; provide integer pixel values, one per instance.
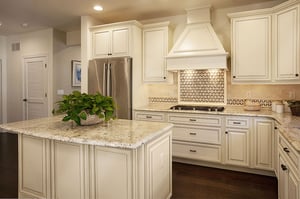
(163, 100)
(202, 86)
(241, 102)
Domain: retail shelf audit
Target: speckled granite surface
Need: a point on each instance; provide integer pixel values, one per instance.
(116, 133)
(290, 125)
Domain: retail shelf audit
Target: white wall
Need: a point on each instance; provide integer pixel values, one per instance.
(63, 55)
(31, 44)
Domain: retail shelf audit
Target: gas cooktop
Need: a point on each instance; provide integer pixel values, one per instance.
(198, 108)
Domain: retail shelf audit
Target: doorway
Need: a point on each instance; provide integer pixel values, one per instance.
(35, 90)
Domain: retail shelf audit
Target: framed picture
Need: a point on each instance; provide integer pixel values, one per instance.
(76, 73)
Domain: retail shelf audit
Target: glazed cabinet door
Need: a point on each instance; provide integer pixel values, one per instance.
(68, 170)
(101, 43)
(237, 147)
(33, 167)
(251, 48)
(120, 42)
(286, 34)
(156, 47)
(263, 143)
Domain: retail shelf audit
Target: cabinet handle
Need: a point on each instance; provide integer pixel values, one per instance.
(286, 149)
(236, 122)
(193, 133)
(193, 120)
(149, 116)
(296, 75)
(109, 54)
(283, 167)
(193, 151)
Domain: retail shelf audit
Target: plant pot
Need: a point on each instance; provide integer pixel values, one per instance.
(295, 109)
(91, 120)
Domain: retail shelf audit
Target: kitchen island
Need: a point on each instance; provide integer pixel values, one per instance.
(115, 159)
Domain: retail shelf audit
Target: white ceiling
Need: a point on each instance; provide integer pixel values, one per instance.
(65, 14)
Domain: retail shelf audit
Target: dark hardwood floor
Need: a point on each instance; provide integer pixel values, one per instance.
(196, 182)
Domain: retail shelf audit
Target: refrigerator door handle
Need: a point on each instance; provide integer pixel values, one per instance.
(109, 86)
(104, 79)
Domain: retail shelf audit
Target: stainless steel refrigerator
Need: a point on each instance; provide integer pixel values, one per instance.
(113, 77)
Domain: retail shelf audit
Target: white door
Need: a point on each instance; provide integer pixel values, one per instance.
(35, 88)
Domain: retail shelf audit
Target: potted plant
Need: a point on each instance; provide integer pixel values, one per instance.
(294, 106)
(80, 106)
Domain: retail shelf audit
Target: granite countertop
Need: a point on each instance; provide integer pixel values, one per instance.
(290, 125)
(118, 133)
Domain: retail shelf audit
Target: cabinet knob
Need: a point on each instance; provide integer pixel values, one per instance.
(286, 149)
(165, 77)
(109, 54)
(283, 167)
(233, 76)
(226, 132)
(24, 100)
(296, 75)
(275, 128)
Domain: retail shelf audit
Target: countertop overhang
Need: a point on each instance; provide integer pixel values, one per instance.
(117, 133)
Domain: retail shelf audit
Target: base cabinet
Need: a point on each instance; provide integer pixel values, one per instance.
(61, 170)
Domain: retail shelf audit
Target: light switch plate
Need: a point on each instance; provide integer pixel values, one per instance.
(60, 92)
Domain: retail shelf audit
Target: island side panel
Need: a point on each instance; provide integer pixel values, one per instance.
(158, 167)
(34, 172)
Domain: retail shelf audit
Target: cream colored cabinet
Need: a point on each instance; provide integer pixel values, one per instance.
(150, 116)
(114, 40)
(251, 48)
(289, 171)
(286, 43)
(34, 167)
(156, 43)
(276, 153)
(237, 141)
(197, 137)
(253, 34)
(263, 143)
(68, 170)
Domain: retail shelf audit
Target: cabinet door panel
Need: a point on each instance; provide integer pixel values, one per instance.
(287, 43)
(237, 147)
(251, 45)
(120, 42)
(68, 170)
(101, 43)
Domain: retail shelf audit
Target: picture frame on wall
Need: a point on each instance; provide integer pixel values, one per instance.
(76, 73)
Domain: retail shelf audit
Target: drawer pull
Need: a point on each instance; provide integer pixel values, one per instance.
(226, 132)
(193, 133)
(193, 151)
(283, 167)
(286, 149)
(149, 116)
(193, 120)
(236, 122)
(275, 128)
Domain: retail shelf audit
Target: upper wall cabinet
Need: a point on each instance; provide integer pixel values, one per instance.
(286, 43)
(156, 45)
(251, 48)
(113, 40)
(265, 45)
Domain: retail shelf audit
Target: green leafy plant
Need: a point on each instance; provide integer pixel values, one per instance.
(78, 106)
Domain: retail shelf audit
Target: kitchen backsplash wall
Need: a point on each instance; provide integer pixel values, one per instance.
(235, 95)
(202, 86)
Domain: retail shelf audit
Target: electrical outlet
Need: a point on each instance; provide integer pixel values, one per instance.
(248, 94)
(292, 94)
(60, 92)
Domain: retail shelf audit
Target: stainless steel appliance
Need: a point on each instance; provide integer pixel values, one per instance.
(198, 108)
(113, 77)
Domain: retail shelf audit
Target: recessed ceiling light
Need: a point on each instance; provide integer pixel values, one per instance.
(0, 23)
(98, 8)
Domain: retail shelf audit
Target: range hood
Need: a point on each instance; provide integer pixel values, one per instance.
(198, 47)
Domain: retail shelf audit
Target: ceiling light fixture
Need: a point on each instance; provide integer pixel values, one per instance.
(98, 8)
(0, 23)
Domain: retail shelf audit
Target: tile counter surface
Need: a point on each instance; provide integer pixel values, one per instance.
(290, 125)
(116, 133)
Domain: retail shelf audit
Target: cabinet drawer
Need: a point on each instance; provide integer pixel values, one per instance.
(291, 153)
(195, 120)
(210, 153)
(157, 117)
(210, 135)
(237, 122)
